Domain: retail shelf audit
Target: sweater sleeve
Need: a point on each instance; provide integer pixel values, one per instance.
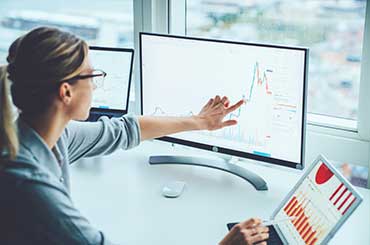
(89, 139)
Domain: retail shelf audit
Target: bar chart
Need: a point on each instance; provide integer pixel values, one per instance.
(317, 205)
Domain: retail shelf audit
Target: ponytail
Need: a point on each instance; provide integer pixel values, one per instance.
(9, 143)
(60, 55)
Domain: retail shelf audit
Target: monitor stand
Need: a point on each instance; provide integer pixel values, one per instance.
(257, 181)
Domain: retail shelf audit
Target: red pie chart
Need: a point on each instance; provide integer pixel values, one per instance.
(323, 174)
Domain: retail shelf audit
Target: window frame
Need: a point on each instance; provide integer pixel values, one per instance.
(351, 138)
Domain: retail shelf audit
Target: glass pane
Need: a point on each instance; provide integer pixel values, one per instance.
(357, 175)
(332, 29)
(104, 23)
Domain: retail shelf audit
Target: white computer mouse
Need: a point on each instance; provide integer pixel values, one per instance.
(173, 189)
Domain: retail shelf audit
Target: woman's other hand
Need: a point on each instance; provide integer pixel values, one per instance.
(212, 115)
(247, 233)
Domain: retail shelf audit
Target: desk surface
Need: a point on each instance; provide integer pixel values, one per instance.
(121, 195)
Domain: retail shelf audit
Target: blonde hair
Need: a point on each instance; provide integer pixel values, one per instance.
(37, 62)
(8, 134)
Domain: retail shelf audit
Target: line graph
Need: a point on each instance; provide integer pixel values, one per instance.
(158, 111)
(259, 86)
(256, 79)
(260, 81)
(258, 97)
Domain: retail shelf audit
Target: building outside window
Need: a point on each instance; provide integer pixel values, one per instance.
(104, 23)
(332, 29)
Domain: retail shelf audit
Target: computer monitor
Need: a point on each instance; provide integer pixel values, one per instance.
(112, 98)
(179, 74)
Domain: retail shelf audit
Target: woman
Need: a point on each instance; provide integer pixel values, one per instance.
(52, 84)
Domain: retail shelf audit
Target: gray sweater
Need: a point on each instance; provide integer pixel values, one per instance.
(35, 201)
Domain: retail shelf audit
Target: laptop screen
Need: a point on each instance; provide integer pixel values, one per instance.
(321, 202)
(113, 95)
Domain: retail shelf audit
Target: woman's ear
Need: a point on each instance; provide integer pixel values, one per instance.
(65, 93)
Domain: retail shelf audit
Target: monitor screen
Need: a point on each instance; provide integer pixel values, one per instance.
(180, 74)
(113, 95)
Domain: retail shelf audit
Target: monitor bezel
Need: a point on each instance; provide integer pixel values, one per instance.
(215, 148)
(96, 112)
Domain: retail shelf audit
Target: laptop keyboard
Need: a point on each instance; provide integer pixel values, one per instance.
(274, 238)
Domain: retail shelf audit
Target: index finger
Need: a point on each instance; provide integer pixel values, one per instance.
(235, 106)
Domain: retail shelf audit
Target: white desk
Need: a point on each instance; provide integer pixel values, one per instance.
(121, 195)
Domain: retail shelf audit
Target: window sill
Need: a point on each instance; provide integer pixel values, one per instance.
(332, 122)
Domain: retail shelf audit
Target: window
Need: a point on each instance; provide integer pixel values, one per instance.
(104, 23)
(332, 29)
(335, 32)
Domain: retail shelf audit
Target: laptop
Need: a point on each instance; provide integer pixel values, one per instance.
(112, 99)
(321, 201)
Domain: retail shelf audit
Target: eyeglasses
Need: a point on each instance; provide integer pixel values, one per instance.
(97, 76)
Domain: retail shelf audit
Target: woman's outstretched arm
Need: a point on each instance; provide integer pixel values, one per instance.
(211, 117)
